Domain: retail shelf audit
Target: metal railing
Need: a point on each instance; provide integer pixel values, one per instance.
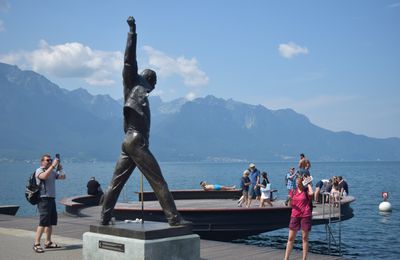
(333, 227)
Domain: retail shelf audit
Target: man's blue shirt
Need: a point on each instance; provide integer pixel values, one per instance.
(253, 176)
(291, 184)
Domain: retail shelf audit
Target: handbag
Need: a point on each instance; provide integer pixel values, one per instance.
(267, 188)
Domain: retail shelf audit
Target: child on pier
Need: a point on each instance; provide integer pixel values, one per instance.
(244, 185)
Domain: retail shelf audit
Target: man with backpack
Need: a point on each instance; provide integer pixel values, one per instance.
(45, 178)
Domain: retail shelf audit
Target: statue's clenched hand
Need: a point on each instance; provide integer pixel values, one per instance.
(131, 23)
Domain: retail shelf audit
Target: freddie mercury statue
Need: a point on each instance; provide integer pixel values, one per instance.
(135, 147)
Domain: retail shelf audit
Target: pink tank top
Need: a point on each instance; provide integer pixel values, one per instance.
(300, 203)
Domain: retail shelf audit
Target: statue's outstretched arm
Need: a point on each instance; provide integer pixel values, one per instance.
(130, 62)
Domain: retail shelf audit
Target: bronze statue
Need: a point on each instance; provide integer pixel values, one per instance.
(135, 147)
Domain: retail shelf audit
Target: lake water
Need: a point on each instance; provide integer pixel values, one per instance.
(369, 235)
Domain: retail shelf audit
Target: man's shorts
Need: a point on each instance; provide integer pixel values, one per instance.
(304, 172)
(47, 211)
(258, 192)
(254, 192)
(319, 184)
(304, 222)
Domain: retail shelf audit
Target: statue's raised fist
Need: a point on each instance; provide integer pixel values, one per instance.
(131, 21)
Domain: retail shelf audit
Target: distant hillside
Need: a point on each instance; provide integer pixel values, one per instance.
(218, 129)
(39, 116)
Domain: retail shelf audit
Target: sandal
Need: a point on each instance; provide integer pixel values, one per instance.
(37, 248)
(51, 245)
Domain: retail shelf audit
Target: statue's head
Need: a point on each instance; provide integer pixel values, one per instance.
(151, 77)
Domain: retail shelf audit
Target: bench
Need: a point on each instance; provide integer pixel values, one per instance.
(73, 205)
(271, 194)
(9, 209)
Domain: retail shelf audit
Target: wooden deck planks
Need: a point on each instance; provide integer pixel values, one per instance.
(320, 211)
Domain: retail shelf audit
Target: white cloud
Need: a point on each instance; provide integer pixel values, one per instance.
(75, 60)
(70, 60)
(157, 92)
(4, 7)
(394, 5)
(190, 96)
(186, 68)
(291, 49)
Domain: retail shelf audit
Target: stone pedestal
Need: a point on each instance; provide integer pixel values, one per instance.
(149, 240)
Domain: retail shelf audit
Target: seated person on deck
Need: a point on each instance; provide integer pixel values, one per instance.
(93, 187)
(343, 187)
(335, 192)
(206, 186)
(321, 187)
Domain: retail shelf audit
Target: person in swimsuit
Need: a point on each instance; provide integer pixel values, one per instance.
(206, 186)
(304, 165)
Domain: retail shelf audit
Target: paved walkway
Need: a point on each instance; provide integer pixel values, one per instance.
(16, 241)
(16, 244)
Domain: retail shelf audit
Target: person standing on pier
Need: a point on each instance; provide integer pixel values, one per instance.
(135, 147)
(290, 180)
(265, 188)
(343, 187)
(254, 189)
(46, 176)
(301, 216)
(304, 165)
(244, 186)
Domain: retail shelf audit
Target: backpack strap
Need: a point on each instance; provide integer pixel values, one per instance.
(42, 181)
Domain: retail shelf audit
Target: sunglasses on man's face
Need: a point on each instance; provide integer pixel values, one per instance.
(47, 160)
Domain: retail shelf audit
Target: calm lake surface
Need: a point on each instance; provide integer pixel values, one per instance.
(369, 235)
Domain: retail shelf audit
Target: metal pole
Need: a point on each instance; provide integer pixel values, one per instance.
(125, 193)
(329, 225)
(141, 195)
(340, 228)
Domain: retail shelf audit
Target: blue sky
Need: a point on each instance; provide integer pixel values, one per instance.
(337, 62)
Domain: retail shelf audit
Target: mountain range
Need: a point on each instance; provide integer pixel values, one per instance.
(38, 116)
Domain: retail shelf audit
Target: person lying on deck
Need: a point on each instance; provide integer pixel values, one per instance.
(206, 186)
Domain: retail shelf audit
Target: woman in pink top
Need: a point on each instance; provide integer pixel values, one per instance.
(301, 215)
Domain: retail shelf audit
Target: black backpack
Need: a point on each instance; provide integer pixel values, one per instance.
(32, 191)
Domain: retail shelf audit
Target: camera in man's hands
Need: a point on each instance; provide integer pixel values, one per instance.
(59, 168)
(307, 180)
